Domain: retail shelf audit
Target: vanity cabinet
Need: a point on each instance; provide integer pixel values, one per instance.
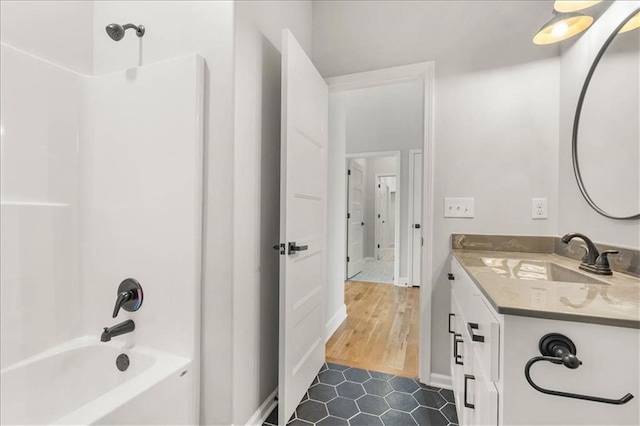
(489, 351)
(474, 352)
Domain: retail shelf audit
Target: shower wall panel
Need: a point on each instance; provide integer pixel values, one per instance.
(40, 289)
(141, 192)
(101, 181)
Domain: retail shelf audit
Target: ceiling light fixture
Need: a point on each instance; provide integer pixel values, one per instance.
(632, 24)
(562, 26)
(565, 6)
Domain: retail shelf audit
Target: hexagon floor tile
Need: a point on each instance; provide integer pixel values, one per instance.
(342, 395)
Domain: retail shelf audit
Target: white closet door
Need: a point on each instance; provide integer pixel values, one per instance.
(355, 219)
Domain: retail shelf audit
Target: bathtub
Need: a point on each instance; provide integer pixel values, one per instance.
(78, 383)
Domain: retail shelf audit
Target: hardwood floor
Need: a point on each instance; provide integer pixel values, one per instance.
(381, 329)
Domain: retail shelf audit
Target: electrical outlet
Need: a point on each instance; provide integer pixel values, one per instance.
(538, 208)
(459, 207)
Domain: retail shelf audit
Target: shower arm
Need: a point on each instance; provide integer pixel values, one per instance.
(139, 29)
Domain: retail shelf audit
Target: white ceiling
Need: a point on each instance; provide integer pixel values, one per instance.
(356, 36)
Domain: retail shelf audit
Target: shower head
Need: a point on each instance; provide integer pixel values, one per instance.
(116, 31)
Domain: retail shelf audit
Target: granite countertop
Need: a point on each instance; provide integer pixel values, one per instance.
(505, 278)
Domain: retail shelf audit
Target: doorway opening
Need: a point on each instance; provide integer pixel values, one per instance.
(383, 129)
(373, 233)
(382, 327)
(381, 332)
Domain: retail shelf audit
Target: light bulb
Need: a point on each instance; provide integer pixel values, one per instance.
(560, 29)
(573, 6)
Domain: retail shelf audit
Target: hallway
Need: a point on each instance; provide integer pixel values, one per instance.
(381, 329)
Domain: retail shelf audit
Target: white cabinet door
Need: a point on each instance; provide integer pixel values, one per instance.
(484, 397)
(305, 101)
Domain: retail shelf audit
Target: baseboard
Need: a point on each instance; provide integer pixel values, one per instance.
(264, 410)
(335, 322)
(440, 381)
(369, 258)
(403, 282)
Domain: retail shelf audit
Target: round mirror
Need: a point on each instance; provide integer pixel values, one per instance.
(606, 129)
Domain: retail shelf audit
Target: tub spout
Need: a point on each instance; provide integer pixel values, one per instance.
(124, 327)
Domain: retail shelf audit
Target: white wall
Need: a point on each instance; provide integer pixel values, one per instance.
(57, 31)
(574, 213)
(335, 309)
(388, 118)
(496, 109)
(258, 35)
(496, 140)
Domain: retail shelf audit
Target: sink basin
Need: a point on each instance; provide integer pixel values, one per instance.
(536, 270)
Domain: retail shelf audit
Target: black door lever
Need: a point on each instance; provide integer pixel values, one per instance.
(293, 248)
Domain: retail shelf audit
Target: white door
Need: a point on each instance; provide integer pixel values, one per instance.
(382, 207)
(355, 220)
(303, 191)
(415, 221)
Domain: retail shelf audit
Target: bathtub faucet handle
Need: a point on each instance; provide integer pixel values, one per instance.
(123, 298)
(129, 296)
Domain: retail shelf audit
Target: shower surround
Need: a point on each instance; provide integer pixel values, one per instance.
(101, 181)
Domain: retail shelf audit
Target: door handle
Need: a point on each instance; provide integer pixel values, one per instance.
(293, 248)
(450, 330)
(362, 223)
(417, 226)
(468, 377)
(475, 337)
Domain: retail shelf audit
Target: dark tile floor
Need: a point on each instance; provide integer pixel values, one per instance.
(350, 396)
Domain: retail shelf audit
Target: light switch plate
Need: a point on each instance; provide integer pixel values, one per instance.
(458, 207)
(539, 208)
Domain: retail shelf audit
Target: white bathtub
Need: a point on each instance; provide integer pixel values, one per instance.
(78, 383)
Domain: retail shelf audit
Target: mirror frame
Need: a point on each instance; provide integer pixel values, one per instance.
(576, 124)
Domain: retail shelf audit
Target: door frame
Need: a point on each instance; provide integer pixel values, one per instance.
(423, 71)
(412, 152)
(397, 155)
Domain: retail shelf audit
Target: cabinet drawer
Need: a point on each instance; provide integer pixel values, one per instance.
(462, 286)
